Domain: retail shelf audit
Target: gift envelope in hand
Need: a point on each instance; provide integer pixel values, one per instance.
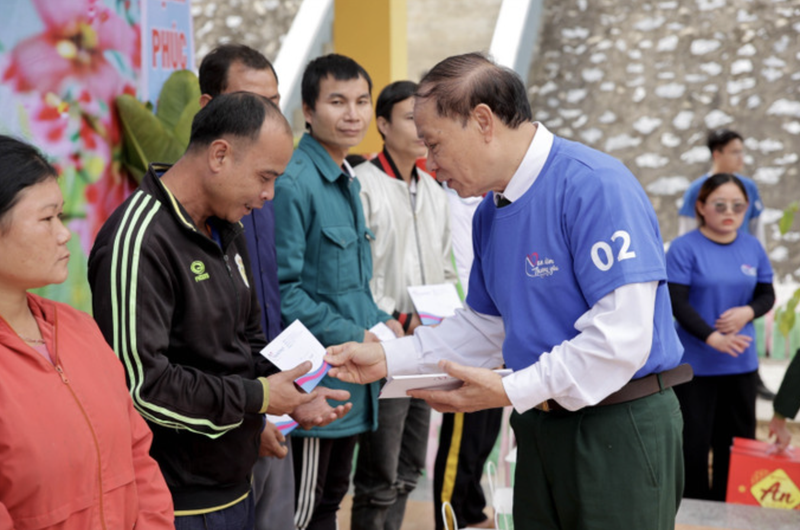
(284, 423)
(295, 345)
(435, 302)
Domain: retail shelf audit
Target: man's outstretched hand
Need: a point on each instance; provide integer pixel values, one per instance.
(482, 389)
(318, 412)
(355, 362)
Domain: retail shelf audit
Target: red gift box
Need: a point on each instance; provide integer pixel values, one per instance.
(761, 476)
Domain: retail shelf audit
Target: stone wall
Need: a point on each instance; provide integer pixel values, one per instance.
(645, 81)
(441, 28)
(435, 29)
(260, 24)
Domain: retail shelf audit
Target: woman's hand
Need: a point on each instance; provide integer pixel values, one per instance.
(734, 319)
(733, 345)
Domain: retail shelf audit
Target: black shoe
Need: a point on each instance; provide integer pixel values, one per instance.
(763, 392)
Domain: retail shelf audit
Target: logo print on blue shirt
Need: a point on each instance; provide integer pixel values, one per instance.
(539, 268)
(749, 270)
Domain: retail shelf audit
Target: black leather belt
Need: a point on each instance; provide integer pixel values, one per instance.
(638, 388)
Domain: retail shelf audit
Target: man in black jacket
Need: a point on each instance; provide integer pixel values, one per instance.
(172, 293)
(234, 68)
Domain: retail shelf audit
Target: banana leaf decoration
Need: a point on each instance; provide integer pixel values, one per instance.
(163, 136)
(785, 316)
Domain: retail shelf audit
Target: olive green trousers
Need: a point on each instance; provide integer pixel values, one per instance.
(615, 467)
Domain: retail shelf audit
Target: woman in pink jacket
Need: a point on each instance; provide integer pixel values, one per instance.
(73, 451)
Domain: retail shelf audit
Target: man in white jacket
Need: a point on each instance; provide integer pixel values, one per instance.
(408, 213)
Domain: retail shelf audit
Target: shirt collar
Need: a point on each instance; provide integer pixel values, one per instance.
(322, 160)
(532, 164)
(348, 170)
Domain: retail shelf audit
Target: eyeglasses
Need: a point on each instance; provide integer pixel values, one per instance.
(736, 207)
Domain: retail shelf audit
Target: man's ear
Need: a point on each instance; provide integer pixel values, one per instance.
(307, 113)
(484, 120)
(382, 124)
(204, 99)
(218, 153)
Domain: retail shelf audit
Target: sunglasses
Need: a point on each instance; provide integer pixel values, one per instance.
(736, 207)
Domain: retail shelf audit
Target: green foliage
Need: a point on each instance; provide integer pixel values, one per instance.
(163, 136)
(788, 218)
(785, 316)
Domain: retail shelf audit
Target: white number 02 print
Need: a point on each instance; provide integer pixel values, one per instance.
(603, 254)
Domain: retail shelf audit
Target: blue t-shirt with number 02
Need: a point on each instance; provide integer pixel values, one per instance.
(584, 228)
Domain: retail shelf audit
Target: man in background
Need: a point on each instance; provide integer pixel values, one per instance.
(324, 267)
(466, 439)
(408, 214)
(727, 156)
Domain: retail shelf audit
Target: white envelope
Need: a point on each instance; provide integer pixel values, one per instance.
(293, 346)
(396, 386)
(435, 302)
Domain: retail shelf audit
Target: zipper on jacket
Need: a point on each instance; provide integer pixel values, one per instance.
(416, 236)
(65, 380)
(226, 240)
(238, 302)
(233, 283)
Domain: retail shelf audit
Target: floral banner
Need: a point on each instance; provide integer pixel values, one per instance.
(62, 64)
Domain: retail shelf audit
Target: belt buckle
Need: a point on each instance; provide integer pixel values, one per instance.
(544, 406)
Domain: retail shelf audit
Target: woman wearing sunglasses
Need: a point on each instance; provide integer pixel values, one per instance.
(74, 454)
(720, 279)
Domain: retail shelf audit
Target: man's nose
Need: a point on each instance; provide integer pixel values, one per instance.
(430, 163)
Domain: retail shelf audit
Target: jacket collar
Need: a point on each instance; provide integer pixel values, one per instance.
(152, 184)
(41, 308)
(320, 158)
(385, 163)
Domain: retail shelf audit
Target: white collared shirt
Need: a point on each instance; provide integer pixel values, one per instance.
(531, 165)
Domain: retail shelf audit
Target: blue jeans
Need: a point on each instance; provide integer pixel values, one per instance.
(390, 462)
(240, 516)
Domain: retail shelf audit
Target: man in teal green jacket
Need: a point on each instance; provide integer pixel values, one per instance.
(324, 268)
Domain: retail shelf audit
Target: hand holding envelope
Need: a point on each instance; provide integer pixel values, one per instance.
(399, 386)
(482, 389)
(296, 345)
(293, 346)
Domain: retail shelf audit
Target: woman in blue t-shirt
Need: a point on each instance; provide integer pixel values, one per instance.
(719, 280)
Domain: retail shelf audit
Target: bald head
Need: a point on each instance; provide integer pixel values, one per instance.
(460, 83)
